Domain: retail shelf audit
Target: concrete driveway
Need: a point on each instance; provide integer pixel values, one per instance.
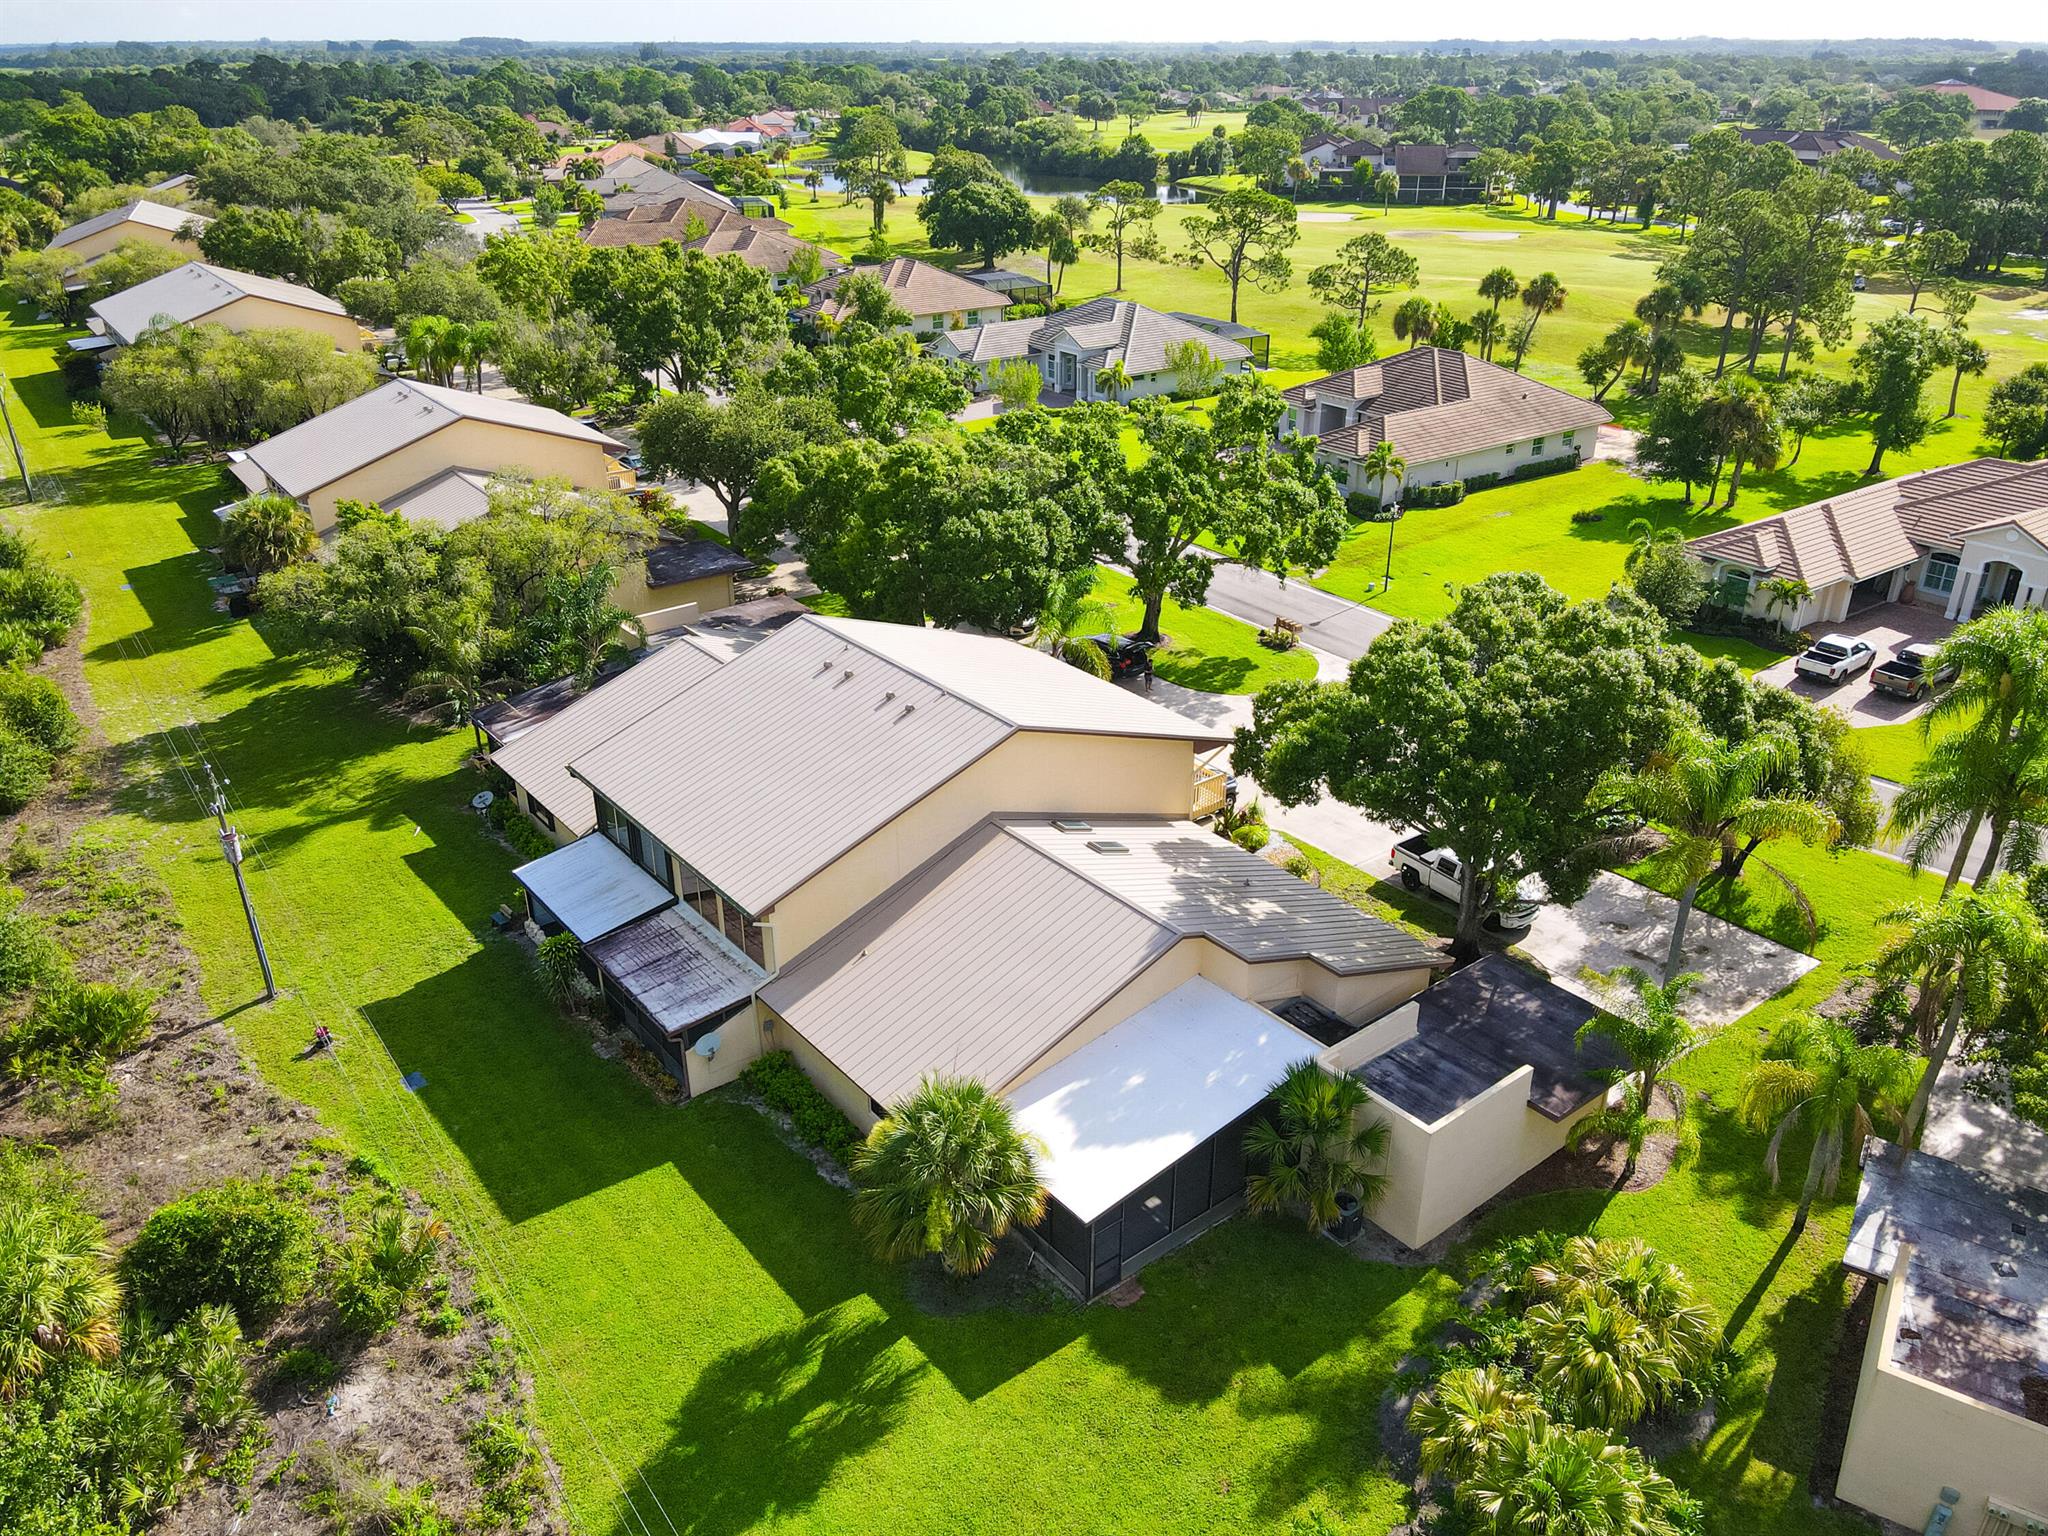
(1887, 627)
(1622, 923)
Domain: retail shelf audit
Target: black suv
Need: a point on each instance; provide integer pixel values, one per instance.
(1128, 655)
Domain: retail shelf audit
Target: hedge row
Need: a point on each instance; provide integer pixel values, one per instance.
(782, 1085)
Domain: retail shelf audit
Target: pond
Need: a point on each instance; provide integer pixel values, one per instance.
(1032, 183)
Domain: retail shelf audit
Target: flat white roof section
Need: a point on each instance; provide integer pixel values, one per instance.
(1135, 1100)
(592, 887)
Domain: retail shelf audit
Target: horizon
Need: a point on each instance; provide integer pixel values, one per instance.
(1054, 24)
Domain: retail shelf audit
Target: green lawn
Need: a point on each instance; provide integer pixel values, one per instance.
(703, 1327)
(1206, 649)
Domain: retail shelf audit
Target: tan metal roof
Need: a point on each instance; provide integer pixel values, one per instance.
(1436, 404)
(984, 959)
(194, 291)
(371, 426)
(975, 966)
(919, 287)
(452, 497)
(141, 211)
(538, 759)
(1202, 885)
(767, 770)
(1877, 528)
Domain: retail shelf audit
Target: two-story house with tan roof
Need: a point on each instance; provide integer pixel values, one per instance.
(1961, 538)
(900, 853)
(199, 293)
(1450, 416)
(400, 437)
(155, 223)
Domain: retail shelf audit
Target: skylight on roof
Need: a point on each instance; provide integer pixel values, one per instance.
(1107, 845)
(1074, 826)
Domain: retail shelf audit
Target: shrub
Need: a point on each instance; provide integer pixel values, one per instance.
(1362, 505)
(1447, 494)
(305, 1367)
(518, 828)
(29, 957)
(1542, 467)
(1278, 639)
(243, 1244)
(36, 709)
(558, 958)
(1672, 582)
(77, 1025)
(24, 770)
(267, 533)
(89, 413)
(1589, 515)
(35, 594)
(1251, 837)
(364, 1300)
(781, 1084)
(1482, 482)
(508, 1473)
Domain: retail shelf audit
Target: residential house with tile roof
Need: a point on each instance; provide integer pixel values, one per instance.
(1070, 348)
(764, 244)
(1451, 416)
(1964, 538)
(936, 300)
(1987, 107)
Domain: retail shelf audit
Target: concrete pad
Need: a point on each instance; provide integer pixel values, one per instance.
(1622, 923)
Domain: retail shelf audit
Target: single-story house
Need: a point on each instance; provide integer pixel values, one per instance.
(400, 439)
(935, 299)
(173, 183)
(1810, 147)
(1951, 1403)
(631, 183)
(1987, 107)
(717, 143)
(201, 294)
(762, 243)
(1071, 347)
(1479, 1079)
(1451, 416)
(609, 156)
(155, 223)
(1965, 537)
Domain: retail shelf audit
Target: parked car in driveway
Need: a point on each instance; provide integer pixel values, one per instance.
(1835, 658)
(1128, 655)
(1911, 673)
(1438, 871)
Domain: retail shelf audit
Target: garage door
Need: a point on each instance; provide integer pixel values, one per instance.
(1871, 591)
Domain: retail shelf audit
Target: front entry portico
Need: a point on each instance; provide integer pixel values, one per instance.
(1999, 568)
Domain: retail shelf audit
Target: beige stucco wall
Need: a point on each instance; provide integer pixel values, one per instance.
(561, 831)
(1043, 772)
(632, 593)
(254, 314)
(1909, 1439)
(1355, 998)
(485, 445)
(777, 1034)
(1175, 967)
(92, 247)
(739, 1042)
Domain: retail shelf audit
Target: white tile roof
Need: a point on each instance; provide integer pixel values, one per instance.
(1437, 404)
(1133, 1101)
(371, 426)
(766, 771)
(194, 291)
(537, 760)
(141, 211)
(1118, 329)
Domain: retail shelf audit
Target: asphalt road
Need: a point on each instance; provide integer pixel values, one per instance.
(1329, 623)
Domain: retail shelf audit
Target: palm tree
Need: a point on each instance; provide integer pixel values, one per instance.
(1485, 325)
(1747, 423)
(455, 644)
(1995, 713)
(1714, 803)
(1501, 283)
(268, 533)
(57, 1297)
(1072, 615)
(1628, 1271)
(1386, 187)
(1542, 295)
(947, 1172)
(425, 344)
(1646, 539)
(814, 179)
(1113, 380)
(1649, 1030)
(1815, 1074)
(1415, 321)
(1593, 1353)
(1546, 1479)
(1315, 1146)
(1985, 947)
(1783, 594)
(1383, 462)
(1966, 355)
(480, 345)
(1461, 1418)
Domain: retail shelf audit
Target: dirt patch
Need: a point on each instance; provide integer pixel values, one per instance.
(192, 1111)
(1013, 1282)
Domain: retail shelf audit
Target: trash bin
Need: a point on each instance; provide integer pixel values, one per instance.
(1350, 1218)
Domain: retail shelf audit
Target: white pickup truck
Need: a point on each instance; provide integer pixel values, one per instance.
(1437, 870)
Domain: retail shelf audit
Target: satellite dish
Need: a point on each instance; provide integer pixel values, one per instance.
(481, 800)
(708, 1046)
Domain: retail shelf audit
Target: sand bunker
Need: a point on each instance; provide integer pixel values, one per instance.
(1322, 216)
(1455, 234)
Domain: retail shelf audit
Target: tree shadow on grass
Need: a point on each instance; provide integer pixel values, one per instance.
(1209, 674)
(765, 1427)
(178, 605)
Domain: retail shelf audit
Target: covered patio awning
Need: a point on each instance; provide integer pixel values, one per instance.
(1136, 1099)
(244, 469)
(675, 970)
(592, 888)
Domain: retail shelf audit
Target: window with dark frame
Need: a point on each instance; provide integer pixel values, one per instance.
(540, 813)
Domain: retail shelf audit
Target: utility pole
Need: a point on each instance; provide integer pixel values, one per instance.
(231, 845)
(27, 489)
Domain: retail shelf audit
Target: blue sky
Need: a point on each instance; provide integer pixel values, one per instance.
(795, 21)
